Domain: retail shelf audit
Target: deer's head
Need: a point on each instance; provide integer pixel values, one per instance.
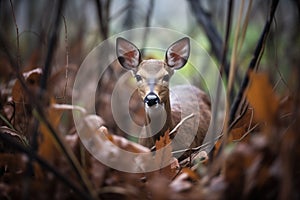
(152, 76)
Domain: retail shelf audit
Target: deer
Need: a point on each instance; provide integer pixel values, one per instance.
(164, 106)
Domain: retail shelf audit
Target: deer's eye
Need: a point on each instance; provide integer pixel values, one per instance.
(166, 78)
(138, 78)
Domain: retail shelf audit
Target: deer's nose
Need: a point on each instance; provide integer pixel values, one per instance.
(151, 99)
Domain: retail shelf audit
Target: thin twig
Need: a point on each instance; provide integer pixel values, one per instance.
(17, 32)
(234, 53)
(195, 149)
(251, 118)
(237, 119)
(226, 40)
(276, 84)
(67, 60)
(245, 25)
(281, 80)
(147, 23)
(176, 127)
(69, 107)
(180, 123)
(247, 133)
(224, 55)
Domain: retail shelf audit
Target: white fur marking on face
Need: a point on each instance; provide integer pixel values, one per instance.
(157, 115)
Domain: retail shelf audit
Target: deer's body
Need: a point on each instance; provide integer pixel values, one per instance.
(165, 107)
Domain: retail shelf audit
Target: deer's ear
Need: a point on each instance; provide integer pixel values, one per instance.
(128, 54)
(178, 53)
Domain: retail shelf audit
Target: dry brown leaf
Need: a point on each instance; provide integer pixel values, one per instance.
(262, 98)
(123, 143)
(238, 133)
(244, 123)
(163, 141)
(163, 156)
(21, 100)
(48, 148)
(32, 79)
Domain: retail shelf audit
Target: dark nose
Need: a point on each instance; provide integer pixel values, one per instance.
(151, 99)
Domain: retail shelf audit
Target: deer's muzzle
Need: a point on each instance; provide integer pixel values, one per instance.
(151, 99)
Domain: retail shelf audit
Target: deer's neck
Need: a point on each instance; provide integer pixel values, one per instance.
(169, 123)
(159, 120)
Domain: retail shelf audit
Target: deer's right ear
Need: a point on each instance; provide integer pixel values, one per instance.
(128, 54)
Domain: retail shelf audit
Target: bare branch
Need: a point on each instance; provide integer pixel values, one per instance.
(180, 123)
(211, 32)
(103, 15)
(255, 60)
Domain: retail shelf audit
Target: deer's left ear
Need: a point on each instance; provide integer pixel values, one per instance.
(178, 53)
(128, 54)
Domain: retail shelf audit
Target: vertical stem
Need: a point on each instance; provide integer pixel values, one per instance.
(17, 32)
(234, 52)
(53, 39)
(147, 23)
(224, 55)
(255, 60)
(103, 16)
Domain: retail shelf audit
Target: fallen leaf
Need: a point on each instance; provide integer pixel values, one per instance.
(163, 156)
(123, 143)
(21, 100)
(163, 141)
(48, 147)
(262, 98)
(242, 125)
(32, 79)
